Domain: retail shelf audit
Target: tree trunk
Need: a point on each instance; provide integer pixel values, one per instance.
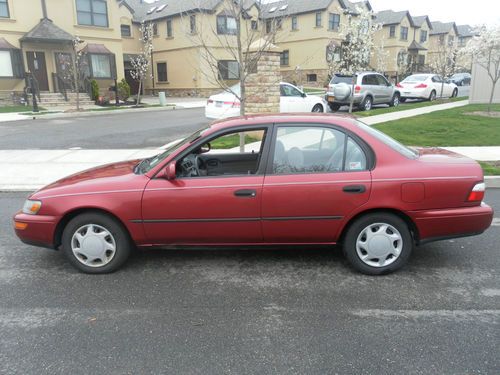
(138, 99)
(491, 95)
(442, 88)
(351, 101)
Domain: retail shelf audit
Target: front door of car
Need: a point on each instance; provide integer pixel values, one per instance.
(216, 197)
(315, 177)
(291, 99)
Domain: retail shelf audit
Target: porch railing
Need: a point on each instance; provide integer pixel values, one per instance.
(60, 85)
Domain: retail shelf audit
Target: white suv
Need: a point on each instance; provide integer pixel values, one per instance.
(369, 88)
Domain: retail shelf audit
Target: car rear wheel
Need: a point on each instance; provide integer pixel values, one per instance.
(96, 243)
(366, 104)
(432, 96)
(378, 243)
(395, 100)
(318, 108)
(334, 107)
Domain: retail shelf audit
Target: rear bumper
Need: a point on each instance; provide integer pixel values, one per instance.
(39, 231)
(436, 225)
(330, 98)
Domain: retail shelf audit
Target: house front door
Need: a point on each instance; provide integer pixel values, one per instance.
(37, 66)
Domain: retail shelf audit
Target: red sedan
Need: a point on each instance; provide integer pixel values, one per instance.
(264, 180)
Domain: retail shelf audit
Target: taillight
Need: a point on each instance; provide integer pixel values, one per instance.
(210, 101)
(236, 104)
(421, 86)
(477, 193)
(357, 88)
(399, 85)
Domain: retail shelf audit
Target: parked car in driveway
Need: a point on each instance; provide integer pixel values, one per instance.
(292, 99)
(426, 86)
(369, 88)
(296, 179)
(461, 79)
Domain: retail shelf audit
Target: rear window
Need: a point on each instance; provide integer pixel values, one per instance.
(415, 78)
(392, 143)
(340, 79)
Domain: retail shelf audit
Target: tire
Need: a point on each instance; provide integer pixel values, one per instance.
(109, 243)
(454, 94)
(366, 104)
(396, 237)
(334, 107)
(432, 96)
(402, 100)
(395, 100)
(318, 108)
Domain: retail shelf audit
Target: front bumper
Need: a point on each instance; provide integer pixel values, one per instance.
(39, 230)
(433, 225)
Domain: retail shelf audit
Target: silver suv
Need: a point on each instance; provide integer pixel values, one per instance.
(369, 88)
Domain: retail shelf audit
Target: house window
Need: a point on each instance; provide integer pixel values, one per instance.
(392, 31)
(4, 9)
(170, 32)
(318, 19)
(404, 33)
(294, 23)
(279, 23)
(285, 58)
(92, 12)
(461, 41)
(441, 40)
(11, 63)
(451, 40)
(125, 30)
(421, 60)
(155, 29)
(334, 21)
(269, 26)
(228, 69)
(312, 78)
(161, 72)
(101, 66)
(226, 25)
(192, 23)
(255, 25)
(423, 36)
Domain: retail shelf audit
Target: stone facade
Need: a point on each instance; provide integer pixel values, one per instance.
(305, 77)
(262, 87)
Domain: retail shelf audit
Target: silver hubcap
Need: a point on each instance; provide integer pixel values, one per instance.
(433, 96)
(379, 245)
(368, 105)
(396, 101)
(317, 109)
(93, 245)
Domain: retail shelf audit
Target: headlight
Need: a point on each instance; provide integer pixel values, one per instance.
(31, 207)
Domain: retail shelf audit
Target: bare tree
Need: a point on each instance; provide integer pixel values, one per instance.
(443, 61)
(357, 35)
(485, 49)
(75, 68)
(142, 62)
(241, 39)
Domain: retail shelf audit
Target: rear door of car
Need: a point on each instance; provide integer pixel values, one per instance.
(385, 89)
(316, 175)
(369, 84)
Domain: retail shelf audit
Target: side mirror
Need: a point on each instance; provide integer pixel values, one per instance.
(205, 148)
(304, 95)
(170, 173)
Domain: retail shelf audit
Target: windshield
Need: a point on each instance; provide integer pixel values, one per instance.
(415, 78)
(147, 164)
(392, 143)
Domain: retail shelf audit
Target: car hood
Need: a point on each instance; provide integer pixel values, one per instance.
(103, 178)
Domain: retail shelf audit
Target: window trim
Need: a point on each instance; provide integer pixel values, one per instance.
(392, 31)
(295, 23)
(227, 68)
(91, 4)
(332, 21)
(192, 24)
(112, 69)
(158, 74)
(422, 33)
(320, 19)
(20, 55)
(284, 53)
(129, 30)
(401, 29)
(170, 29)
(8, 9)
(225, 30)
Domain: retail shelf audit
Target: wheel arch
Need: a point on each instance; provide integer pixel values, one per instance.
(409, 222)
(68, 216)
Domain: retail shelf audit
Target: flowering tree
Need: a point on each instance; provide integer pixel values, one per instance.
(381, 55)
(357, 34)
(79, 67)
(142, 62)
(443, 61)
(485, 49)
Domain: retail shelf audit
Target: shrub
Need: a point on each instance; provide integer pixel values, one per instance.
(123, 90)
(94, 87)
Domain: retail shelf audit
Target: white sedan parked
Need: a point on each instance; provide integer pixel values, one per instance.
(226, 104)
(425, 86)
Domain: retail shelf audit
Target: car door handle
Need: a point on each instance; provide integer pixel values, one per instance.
(245, 193)
(356, 189)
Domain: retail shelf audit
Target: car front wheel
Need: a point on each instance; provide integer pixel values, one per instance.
(378, 243)
(317, 108)
(96, 243)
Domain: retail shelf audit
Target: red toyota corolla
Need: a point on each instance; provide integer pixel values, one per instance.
(264, 180)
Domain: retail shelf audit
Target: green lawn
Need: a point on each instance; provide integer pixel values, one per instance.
(315, 90)
(405, 106)
(489, 170)
(231, 141)
(18, 108)
(451, 127)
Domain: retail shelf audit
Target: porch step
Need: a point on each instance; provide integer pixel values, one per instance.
(55, 99)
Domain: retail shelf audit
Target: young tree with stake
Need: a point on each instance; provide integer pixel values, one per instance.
(142, 62)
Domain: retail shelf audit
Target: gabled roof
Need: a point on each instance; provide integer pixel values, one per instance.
(97, 48)
(465, 31)
(418, 21)
(390, 17)
(443, 27)
(416, 46)
(46, 31)
(292, 7)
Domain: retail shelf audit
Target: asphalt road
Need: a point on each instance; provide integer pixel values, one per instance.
(293, 311)
(124, 130)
